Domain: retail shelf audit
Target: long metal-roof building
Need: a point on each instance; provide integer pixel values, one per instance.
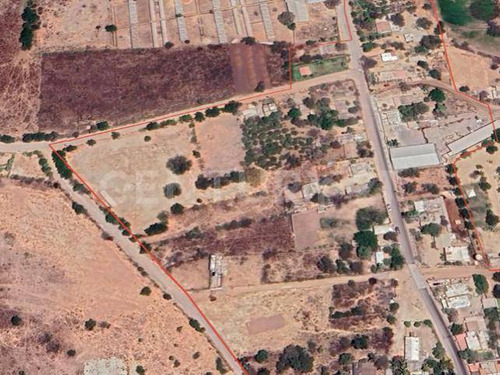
(418, 156)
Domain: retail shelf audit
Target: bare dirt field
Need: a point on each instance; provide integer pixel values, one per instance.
(220, 144)
(19, 74)
(126, 85)
(136, 180)
(26, 166)
(55, 278)
(275, 316)
(478, 78)
(69, 25)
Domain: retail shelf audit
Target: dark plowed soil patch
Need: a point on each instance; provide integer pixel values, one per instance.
(122, 86)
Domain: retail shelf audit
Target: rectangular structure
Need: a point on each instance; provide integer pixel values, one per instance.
(418, 156)
(470, 139)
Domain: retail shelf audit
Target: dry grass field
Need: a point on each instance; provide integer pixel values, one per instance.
(56, 273)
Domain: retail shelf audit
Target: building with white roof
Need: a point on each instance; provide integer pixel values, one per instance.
(412, 348)
(470, 140)
(388, 57)
(418, 156)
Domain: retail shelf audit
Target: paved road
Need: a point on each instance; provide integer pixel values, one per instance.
(386, 176)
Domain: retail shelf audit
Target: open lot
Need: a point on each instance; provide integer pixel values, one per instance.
(136, 183)
(55, 286)
(220, 144)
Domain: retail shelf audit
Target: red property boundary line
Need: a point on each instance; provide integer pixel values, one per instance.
(141, 244)
(477, 237)
(129, 230)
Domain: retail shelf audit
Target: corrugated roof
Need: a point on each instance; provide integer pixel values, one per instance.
(417, 156)
(470, 139)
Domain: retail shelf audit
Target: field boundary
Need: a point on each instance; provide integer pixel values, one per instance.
(144, 248)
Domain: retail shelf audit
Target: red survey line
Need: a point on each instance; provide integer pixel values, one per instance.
(128, 228)
(477, 237)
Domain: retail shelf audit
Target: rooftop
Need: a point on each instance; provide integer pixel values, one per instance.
(418, 156)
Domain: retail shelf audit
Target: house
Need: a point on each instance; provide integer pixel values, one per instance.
(386, 57)
(412, 348)
(305, 71)
(383, 27)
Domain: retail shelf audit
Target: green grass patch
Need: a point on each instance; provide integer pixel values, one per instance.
(455, 12)
(321, 67)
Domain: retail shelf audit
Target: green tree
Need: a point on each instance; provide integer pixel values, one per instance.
(294, 113)
(481, 284)
(146, 291)
(432, 229)
(296, 358)
(437, 95)
(179, 164)
(367, 242)
(484, 10)
(369, 216)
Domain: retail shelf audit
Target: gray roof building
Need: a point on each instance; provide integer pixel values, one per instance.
(418, 156)
(299, 8)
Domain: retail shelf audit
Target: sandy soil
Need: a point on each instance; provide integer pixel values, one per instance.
(478, 78)
(220, 144)
(57, 272)
(27, 166)
(71, 24)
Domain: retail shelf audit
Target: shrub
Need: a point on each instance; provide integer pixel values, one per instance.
(78, 208)
(179, 164)
(491, 149)
(156, 228)
(360, 342)
(90, 324)
(16, 320)
(261, 356)
(140, 370)
(71, 353)
(146, 291)
(491, 218)
(177, 209)
(172, 190)
(110, 28)
(345, 359)
(457, 329)
(7, 139)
